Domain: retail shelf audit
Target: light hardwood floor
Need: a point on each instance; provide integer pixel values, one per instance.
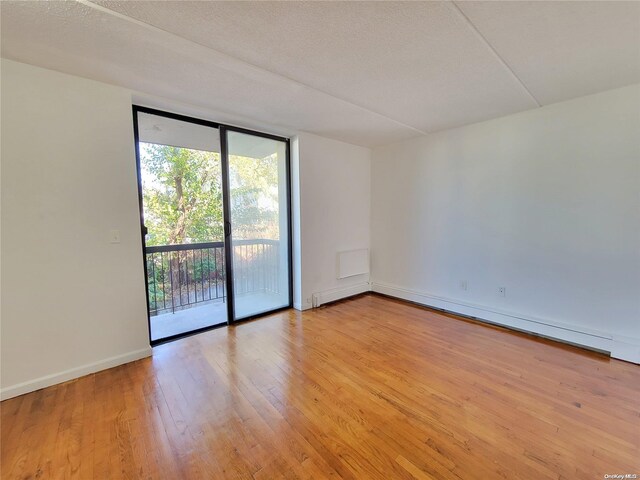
(368, 388)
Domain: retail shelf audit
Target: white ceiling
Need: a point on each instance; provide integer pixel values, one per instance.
(368, 73)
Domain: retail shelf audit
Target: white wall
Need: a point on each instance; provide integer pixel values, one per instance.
(295, 222)
(72, 302)
(331, 214)
(545, 203)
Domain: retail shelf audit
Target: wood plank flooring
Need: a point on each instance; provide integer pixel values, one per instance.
(368, 388)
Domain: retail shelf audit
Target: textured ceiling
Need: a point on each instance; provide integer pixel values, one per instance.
(562, 50)
(364, 72)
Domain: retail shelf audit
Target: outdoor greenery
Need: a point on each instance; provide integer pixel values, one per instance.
(182, 191)
(182, 195)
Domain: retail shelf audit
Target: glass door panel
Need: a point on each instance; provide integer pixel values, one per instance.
(180, 169)
(259, 215)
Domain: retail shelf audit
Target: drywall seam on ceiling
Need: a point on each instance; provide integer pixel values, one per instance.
(484, 40)
(251, 66)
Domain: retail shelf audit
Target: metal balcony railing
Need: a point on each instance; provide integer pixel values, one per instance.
(180, 276)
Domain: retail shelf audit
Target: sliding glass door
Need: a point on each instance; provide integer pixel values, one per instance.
(214, 209)
(180, 169)
(258, 183)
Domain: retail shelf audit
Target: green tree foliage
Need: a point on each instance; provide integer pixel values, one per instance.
(182, 195)
(182, 192)
(254, 196)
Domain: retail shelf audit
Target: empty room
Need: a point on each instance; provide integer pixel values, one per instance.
(299, 239)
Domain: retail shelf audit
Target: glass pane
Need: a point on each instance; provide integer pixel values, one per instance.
(180, 168)
(259, 219)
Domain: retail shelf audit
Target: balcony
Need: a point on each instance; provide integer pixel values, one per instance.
(187, 283)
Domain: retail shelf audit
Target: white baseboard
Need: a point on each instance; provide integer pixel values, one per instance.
(55, 378)
(327, 296)
(623, 348)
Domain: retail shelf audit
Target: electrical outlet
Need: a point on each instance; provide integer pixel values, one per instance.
(464, 285)
(502, 291)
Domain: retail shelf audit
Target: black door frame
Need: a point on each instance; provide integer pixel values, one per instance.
(226, 206)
